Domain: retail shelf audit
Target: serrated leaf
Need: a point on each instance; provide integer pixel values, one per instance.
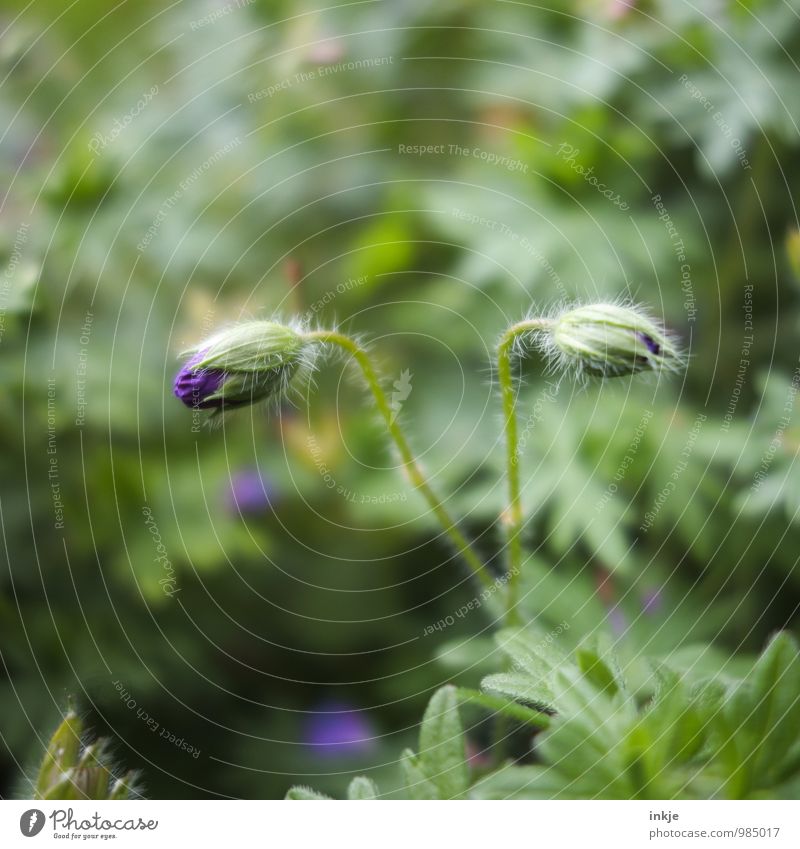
(442, 752)
(677, 724)
(530, 652)
(520, 687)
(600, 669)
(509, 708)
(362, 787)
(575, 695)
(765, 711)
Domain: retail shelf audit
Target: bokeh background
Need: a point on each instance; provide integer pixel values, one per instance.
(252, 606)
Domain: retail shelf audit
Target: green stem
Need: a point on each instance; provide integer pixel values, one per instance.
(412, 467)
(513, 517)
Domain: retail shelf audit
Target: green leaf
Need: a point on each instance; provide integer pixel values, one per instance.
(417, 783)
(521, 782)
(442, 749)
(677, 725)
(521, 687)
(306, 794)
(530, 652)
(764, 710)
(503, 706)
(362, 787)
(602, 671)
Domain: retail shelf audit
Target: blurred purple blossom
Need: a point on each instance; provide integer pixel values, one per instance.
(617, 620)
(337, 729)
(620, 8)
(250, 492)
(652, 601)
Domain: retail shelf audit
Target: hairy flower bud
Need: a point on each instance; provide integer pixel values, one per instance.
(241, 365)
(72, 770)
(610, 340)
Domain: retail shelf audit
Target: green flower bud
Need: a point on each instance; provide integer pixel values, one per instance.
(242, 365)
(62, 753)
(610, 340)
(70, 770)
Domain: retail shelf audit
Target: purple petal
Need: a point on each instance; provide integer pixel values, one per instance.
(194, 386)
(651, 343)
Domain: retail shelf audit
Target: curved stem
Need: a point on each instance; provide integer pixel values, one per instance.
(513, 517)
(410, 463)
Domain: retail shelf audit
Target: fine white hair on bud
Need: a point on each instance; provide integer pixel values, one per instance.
(242, 365)
(608, 340)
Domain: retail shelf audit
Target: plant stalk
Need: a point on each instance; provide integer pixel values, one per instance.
(512, 519)
(410, 463)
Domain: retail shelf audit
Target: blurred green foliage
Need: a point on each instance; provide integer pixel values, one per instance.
(265, 173)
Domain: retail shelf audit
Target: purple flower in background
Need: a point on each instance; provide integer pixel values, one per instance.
(652, 601)
(617, 620)
(620, 8)
(250, 492)
(336, 729)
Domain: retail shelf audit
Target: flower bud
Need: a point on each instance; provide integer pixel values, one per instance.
(62, 753)
(241, 365)
(71, 770)
(610, 340)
